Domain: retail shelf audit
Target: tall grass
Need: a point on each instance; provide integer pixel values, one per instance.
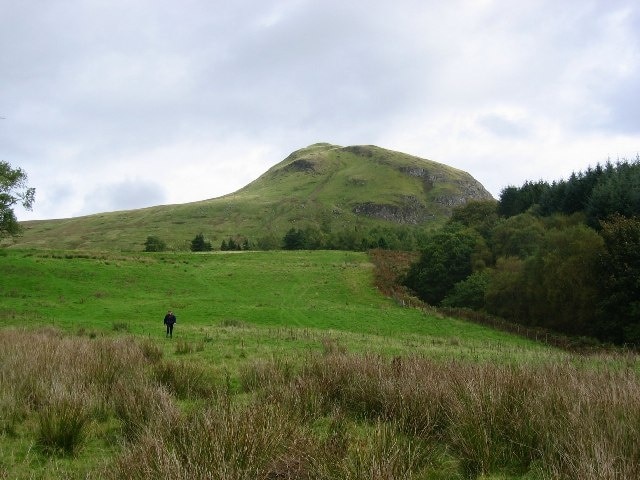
(185, 380)
(332, 416)
(62, 423)
(232, 443)
(561, 420)
(65, 383)
(263, 441)
(393, 419)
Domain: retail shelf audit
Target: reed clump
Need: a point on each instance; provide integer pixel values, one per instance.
(62, 423)
(185, 379)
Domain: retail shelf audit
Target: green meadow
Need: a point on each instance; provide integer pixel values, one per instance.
(243, 304)
(284, 364)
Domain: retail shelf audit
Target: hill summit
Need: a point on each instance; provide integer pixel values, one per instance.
(323, 186)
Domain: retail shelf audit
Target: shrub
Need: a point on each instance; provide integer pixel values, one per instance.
(385, 454)
(233, 322)
(251, 441)
(560, 420)
(154, 244)
(469, 293)
(138, 405)
(331, 346)
(10, 412)
(263, 374)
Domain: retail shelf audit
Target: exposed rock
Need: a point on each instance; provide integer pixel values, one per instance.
(429, 179)
(410, 211)
(421, 173)
(361, 150)
(300, 165)
(469, 190)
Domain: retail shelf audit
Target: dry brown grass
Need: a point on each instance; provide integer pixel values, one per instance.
(562, 421)
(338, 416)
(67, 382)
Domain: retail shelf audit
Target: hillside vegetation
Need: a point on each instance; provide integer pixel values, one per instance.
(293, 365)
(328, 188)
(284, 365)
(563, 256)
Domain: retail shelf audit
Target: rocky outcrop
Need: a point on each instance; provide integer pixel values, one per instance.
(467, 189)
(409, 211)
(361, 150)
(423, 173)
(301, 165)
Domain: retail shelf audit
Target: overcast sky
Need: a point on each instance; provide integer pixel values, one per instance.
(120, 104)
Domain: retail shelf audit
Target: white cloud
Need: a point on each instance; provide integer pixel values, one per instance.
(159, 101)
(130, 193)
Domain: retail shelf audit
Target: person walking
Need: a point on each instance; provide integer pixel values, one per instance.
(169, 321)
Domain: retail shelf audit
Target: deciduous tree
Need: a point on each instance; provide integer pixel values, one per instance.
(445, 261)
(13, 191)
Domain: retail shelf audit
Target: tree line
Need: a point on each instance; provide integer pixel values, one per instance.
(309, 238)
(563, 256)
(597, 193)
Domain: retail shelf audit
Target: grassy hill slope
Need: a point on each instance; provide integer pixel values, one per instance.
(325, 186)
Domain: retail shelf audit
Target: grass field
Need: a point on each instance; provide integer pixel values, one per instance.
(283, 365)
(244, 303)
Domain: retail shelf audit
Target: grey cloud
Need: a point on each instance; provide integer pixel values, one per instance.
(502, 126)
(124, 195)
(87, 84)
(621, 82)
(319, 66)
(624, 104)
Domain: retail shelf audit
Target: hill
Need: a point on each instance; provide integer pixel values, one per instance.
(324, 186)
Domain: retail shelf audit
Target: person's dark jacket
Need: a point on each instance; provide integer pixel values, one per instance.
(169, 319)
